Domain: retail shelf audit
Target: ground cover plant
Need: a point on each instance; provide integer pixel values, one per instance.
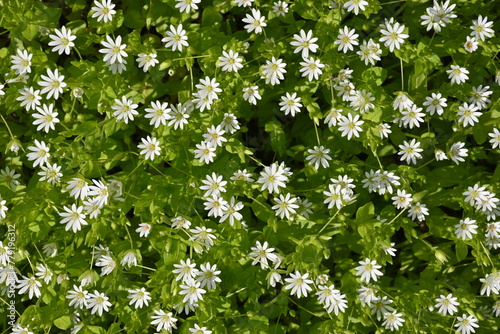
(217, 166)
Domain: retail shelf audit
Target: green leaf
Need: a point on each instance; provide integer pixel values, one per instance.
(365, 212)
(210, 17)
(63, 322)
(461, 250)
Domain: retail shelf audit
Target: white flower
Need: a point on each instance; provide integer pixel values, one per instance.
(159, 113)
(274, 70)
(230, 123)
(385, 181)
(255, 22)
(447, 304)
(180, 222)
(78, 297)
(393, 321)
(418, 211)
(440, 155)
(176, 38)
(435, 103)
(384, 130)
(346, 39)
(412, 116)
(280, 8)
(150, 147)
(214, 136)
(367, 294)
(242, 175)
(46, 118)
(50, 173)
(393, 35)
(98, 302)
(318, 155)
(491, 283)
(125, 109)
(481, 28)
(304, 42)
(208, 88)
(361, 101)
(402, 102)
(350, 126)
(205, 152)
(73, 218)
(390, 250)
(466, 228)
(139, 297)
(187, 5)
(335, 196)
(311, 68)
(261, 253)
(215, 206)
(244, 3)
(466, 324)
(107, 263)
(290, 104)
(285, 206)
(39, 153)
(299, 284)
(457, 153)
(457, 74)
(50, 249)
(251, 94)
(129, 259)
(402, 200)
(5, 253)
(332, 117)
(197, 329)
(471, 44)
(117, 66)
(369, 52)
(113, 50)
(185, 269)
(147, 60)
(179, 115)
(381, 306)
(213, 185)
(163, 320)
(203, 235)
(495, 138)
(143, 229)
(192, 291)
(29, 98)
(32, 285)
(100, 190)
(207, 276)
(345, 89)
(368, 270)
(21, 62)
(355, 6)
(410, 151)
(103, 10)
(272, 177)
(468, 114)
(480, 96)
(9, 177)
(62, 40)
(230, 61)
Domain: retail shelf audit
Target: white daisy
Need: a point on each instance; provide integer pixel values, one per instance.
(304, 42)
(368, 270)
(410, 151)
(29, 98)
(51, 173)
(466, 228)
(139, 297)
(251, 94)
(150, 147)
(457, 153)
(274, 71)
(318, 156)
(346, 39)
(311, 68)
(457, 74)
(179, 115)
(299, 284)
(205, 152)
(355, 6)
(393, 34)
(230, 61)
(285, 206)
(39, 153)
(435, 103)
(113, 50)
(481, 28)
(255, 22)
(73, 218)
(103, 10)
(447, 304)
(187, 5)
(62, 41)
(98, 302)
(147, 60)
(176, 38)
(125, 109)
(21, 62)
(159, 113)
(290, 104)
(350, 126)
(46, 118)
